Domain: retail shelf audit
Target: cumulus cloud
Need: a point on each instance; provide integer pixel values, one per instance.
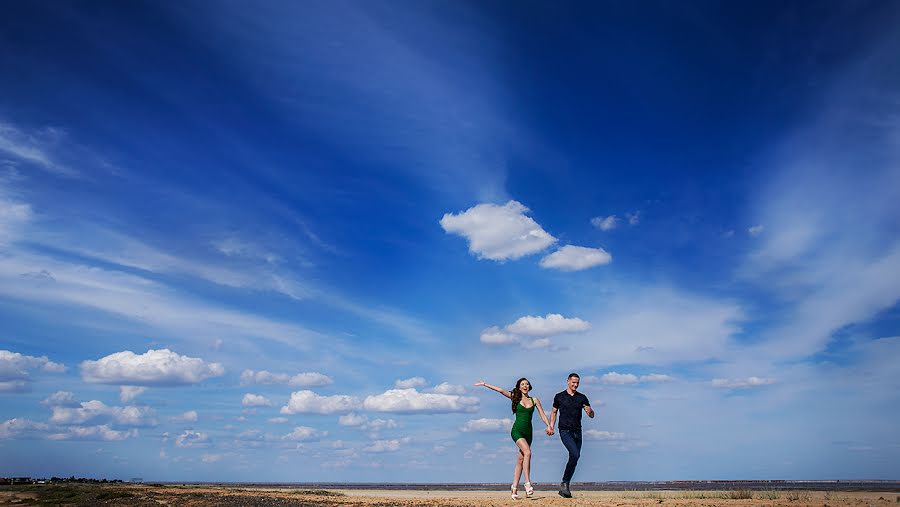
(191, 438)
(19, 428)
(486, 425)
(756, 230)
(16, 369)
(97, 411)
(256, 400)
(410, 382)
(102, 432)
(379, 446)
(190, 416)
(447, 388)
(605, 223)
(153, 368)
(620, 379)
(743, 383)
(308, 402)
(412, 401)
(576, 258)
(305, 434)
(607, 436)
(495, 336)
(498, 232)
(352, 419)
(552, 324)
(61, 399)
(307, 379)
(128, 393)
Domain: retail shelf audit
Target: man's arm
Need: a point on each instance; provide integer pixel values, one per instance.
(589, 411)
(552, 421)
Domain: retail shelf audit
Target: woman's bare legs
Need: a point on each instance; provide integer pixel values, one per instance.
(524, 463)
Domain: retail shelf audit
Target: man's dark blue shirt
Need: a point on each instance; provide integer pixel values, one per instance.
(570, 408)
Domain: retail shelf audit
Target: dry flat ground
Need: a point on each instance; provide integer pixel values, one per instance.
(203, 496)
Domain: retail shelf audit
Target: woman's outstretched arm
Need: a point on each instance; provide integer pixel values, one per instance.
(500, 390)
(542, 414)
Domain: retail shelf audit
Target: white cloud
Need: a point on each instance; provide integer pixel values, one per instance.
(305, 434)
(379, 446)
(381, 424)
(498, 232)
(592, 434)
(487, 425)
(278, 420)
(539, 343)
(618, 378)
(756, 230)
(15, 369)
(256, 400)
(102, 432)
(633, 218)
(615, 378)
(352, 419)
(211, 458)
(153, 368)
(190, 416)
(129, 393)
(552, 324)
(308, 402)
(410, 383)
(263, 377)
(447, 388)
(743, 383)
(61, 399)
(19, 427)
(191, 438)
(495, 336)
(605, 223)
(97, 411)
(576, 258)
(13, 217)
(411, 401)
(33, 147)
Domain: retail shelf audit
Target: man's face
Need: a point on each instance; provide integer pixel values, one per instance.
(573, 383)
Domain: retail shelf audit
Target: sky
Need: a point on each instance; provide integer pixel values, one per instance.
(282, 241)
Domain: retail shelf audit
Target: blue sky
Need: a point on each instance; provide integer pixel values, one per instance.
(281, 242)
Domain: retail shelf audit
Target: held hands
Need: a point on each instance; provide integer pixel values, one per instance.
(549, 431)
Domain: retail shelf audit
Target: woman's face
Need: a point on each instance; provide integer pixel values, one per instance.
(524, 386)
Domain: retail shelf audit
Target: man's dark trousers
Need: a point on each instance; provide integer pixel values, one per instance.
(572, 440)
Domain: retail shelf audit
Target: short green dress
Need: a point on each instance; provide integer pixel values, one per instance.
(522, 427)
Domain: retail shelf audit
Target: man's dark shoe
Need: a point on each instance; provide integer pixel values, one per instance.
(564, 490)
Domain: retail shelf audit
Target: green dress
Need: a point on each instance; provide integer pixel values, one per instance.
(522, 427)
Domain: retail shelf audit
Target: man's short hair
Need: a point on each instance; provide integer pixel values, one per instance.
(573, 375)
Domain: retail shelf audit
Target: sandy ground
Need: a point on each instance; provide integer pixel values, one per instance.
(204, 496)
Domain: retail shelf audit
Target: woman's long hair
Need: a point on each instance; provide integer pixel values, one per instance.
(516, 394)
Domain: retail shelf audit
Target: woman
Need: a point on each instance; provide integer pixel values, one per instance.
(523, 406)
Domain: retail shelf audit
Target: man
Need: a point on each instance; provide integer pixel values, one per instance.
(569, 404)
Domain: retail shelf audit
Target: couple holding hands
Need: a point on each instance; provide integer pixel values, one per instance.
(568, 404)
